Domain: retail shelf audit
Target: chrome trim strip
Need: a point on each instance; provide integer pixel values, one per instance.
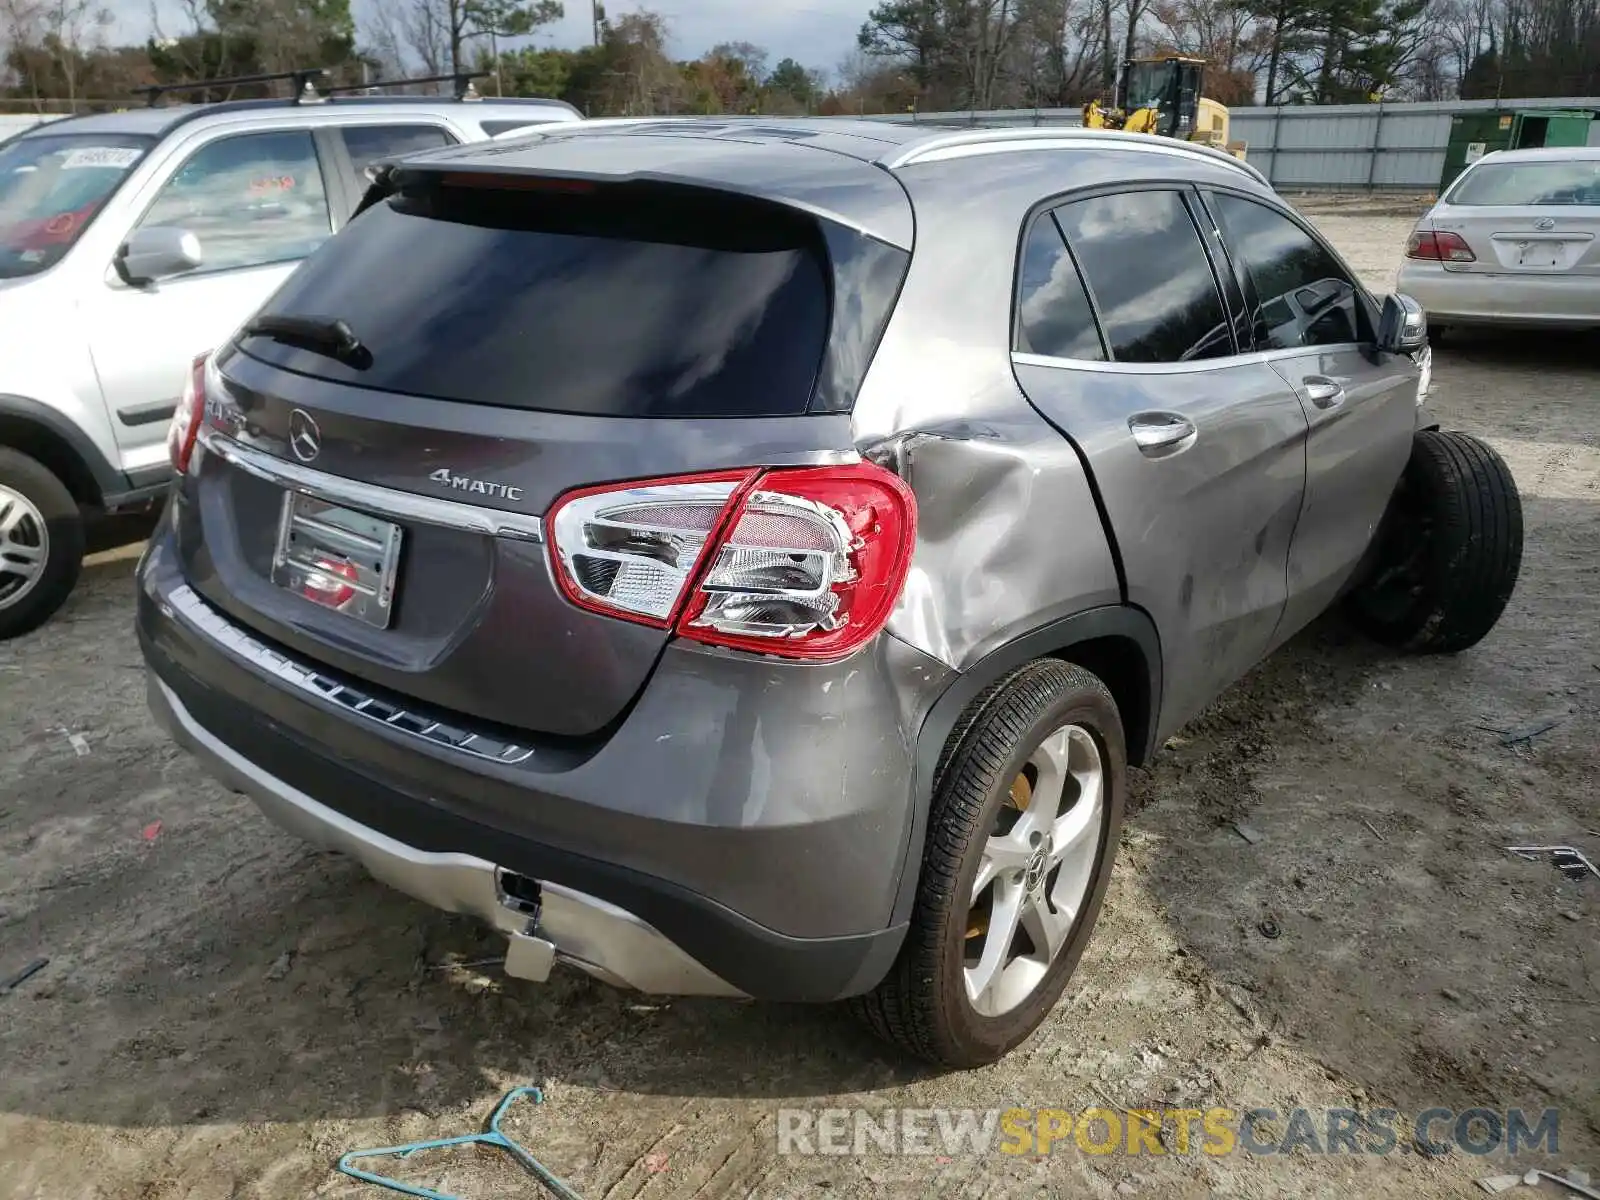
(382, 501)
(1025, 359)
(185, 603)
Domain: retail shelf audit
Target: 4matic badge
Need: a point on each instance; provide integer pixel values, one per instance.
(478, 487)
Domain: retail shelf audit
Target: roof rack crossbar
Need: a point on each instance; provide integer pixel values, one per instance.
(460, 82)
(304, 79)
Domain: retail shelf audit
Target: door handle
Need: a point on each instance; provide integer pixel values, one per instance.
(1159, 434)
(1323, 392)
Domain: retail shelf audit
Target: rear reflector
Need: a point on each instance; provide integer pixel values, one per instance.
(804, 563)
(1439, 247)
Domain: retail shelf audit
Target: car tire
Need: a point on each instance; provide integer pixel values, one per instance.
(1048, 719)
(41, 543)
(1450, 550)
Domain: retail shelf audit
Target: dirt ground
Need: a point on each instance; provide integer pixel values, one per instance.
(225, 1011)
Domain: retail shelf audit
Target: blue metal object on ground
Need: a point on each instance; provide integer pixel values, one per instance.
(491, 1138)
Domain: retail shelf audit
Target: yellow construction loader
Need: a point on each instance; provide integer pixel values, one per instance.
(1162, 96)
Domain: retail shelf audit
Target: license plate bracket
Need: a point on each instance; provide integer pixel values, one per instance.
(1541, 254)
(338, 558)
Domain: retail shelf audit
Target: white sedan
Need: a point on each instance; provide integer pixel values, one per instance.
(1515, 241)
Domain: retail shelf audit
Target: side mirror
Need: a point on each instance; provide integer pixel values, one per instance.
(157, 252)
(1403, 326)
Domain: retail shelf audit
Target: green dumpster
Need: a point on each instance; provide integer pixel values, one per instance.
(1472, 135)
(1557, 127)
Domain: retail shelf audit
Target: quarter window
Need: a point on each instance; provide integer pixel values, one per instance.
(1150, 277)
(367, 144)
(1302, 295)
(252, 200)
(1053, 312)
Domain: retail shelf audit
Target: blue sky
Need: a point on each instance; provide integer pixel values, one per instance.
(819, 33)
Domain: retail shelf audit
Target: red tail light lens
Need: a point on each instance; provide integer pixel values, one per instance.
(804, 563)
(810, 567)
(1439, 247)
(185, 426)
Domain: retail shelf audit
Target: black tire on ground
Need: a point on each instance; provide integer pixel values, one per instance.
(1450, 552)
(922, 1005)
(64, 528)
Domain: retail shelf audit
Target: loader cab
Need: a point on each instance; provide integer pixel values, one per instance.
(1167, 87)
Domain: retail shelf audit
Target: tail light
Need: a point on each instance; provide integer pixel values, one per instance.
(186, 418)
(804, 563)
(1439, 247)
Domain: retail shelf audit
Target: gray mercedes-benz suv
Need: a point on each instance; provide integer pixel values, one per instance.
(745, 558)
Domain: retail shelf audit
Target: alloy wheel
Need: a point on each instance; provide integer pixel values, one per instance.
(24, 546)
(1036, 870)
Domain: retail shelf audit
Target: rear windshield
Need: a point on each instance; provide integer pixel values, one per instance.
(51, 187)
(623, 300)
(1540, 182)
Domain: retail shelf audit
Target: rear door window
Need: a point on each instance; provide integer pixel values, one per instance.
(1303, 297)
(367, 144)
(623, 300)
(1150, 277)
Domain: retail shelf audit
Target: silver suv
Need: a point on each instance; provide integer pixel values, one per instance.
(746, 557)
(130, 242)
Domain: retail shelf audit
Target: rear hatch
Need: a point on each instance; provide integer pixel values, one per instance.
(483, 343)
(1531, 216)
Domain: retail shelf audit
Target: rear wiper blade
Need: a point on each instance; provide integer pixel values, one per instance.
(328, 335)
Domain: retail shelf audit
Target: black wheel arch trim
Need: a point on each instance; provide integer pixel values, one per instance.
(1054, 640)
(107, 478)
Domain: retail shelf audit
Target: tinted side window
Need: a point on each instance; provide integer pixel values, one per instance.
(366, 144)
(1302, 295)
(1150, 276)
(1053, 313)
(254, 199)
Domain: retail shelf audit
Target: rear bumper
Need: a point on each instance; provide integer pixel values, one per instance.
(1528, 301)
(563, 924)
(733, 836)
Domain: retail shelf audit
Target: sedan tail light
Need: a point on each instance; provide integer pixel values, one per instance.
(186, 418)
(803, 563)
(1439, 247)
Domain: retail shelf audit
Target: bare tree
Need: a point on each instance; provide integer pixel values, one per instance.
(1134, 13)
(434, 32)
(440, 32)
(19, 29)
(387, 41)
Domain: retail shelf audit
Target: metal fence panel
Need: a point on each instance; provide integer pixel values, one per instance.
(1398, 146)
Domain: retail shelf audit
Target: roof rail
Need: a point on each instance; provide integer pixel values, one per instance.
(460, 81)
(980, 141)
(304, 84)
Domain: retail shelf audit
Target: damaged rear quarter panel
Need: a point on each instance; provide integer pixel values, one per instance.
(1008, 536)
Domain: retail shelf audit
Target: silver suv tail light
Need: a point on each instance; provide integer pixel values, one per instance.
(804, 562)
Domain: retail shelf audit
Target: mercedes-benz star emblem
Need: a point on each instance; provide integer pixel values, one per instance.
(305, 439)
(1545, 223)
